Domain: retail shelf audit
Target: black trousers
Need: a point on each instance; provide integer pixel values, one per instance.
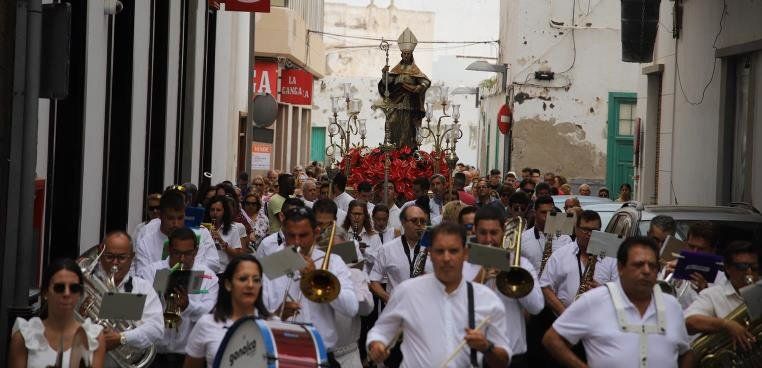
(519, 361)
(332, 362)
(537, 355)
(168, 360)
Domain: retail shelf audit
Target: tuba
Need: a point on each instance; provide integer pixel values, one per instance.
(717, 350)
(517, 282)
(321, 286)
(90, 304)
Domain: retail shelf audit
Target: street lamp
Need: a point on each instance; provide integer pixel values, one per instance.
(502, 69)
(445, 136)
(345, 128)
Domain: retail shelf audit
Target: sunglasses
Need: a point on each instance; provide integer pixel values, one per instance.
(527, 190)
(745, 266)
(469, 227)
(153, 208)
(60, 288)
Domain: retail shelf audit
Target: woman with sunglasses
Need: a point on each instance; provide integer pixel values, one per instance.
(39, 341)
(240, 295)
(255, 216)
(225, 232)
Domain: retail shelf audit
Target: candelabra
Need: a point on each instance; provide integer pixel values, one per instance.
(445, 136)
(345, 128)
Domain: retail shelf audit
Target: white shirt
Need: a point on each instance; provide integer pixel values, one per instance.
(233, 238)
(174, 341)
(532, 247)
(394, 218)
(392, 262)
(373, 242)
(205, 338)
(436, 208)
(350, 326)
(41, 354)
(434, 321)
(562, 272)
(151, 326)
(592, 319)
(533, 303)
(342, 201)
(270, 244)
(715, 301)
(321, 315)
(151, 243)
(387, 235)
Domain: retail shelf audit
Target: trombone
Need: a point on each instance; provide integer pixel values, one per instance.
(321, 286)
(516, 282)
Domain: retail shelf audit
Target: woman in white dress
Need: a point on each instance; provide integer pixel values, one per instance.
(38, 342)
(225, 232)
(240, 295)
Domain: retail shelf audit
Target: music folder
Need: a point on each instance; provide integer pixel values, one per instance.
(122, 306)
(347, 251)
(704, 263)
(488, 256)
(560, 223)
(282, 262)
(671, 248)
(752, 296)
(166, 281)
(604, 244)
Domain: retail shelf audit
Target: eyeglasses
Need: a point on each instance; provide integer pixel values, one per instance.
(528, 191)
(745, 266)
(586, 230)
(60, 288)
(121, 258)
(469, 227)
(417, 221)
(176, 187)
(153, 208)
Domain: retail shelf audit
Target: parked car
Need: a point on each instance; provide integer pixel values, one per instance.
(735, 222)
(604, 206)
(583, 200)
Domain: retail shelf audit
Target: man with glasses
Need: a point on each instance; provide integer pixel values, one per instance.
(395, 258)
(152, 243)
(183, 246)
(566, 266)
(466, 218)
(152, 211)
(276, 241)
(503, 203)
(707, 314)
(118, 253)
(534, 239)
(484, 194)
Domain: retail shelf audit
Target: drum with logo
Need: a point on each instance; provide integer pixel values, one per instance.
(257, 343)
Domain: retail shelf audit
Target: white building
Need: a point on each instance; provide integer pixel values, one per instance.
(700, 106)
(577, 122)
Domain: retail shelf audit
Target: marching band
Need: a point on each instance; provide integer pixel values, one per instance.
(361, 292)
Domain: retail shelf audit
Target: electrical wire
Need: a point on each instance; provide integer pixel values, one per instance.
(574, 41)
(714, 65)
(367, 38)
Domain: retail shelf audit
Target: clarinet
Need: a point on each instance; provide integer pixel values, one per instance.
(420, 260)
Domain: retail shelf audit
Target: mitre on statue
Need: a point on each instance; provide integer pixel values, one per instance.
(407, 40)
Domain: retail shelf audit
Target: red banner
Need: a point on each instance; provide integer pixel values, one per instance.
(265, 78)
(296, 87)
(258, 6)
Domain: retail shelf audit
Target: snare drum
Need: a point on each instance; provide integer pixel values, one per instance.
(257, 343)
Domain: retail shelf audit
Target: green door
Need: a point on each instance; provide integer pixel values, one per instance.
(317, 146)
(621, 131)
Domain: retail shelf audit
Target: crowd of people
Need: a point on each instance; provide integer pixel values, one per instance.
(409, 297)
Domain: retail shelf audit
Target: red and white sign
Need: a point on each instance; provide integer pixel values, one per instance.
(260, 155)
(504, 119)
(258, 6)
(265, 78)
(296, 87)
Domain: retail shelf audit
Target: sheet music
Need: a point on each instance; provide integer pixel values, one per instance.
(752, 295)
(488, 256)
(560, 223)
(604, 244)
(282, 262)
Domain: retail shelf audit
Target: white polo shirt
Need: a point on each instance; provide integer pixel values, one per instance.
(593, 320)
(270, 244)
(149, 247)
(342, 201)
(433, 321)
(533, 244)
(563, 270)
(715, 301)
(391, 261)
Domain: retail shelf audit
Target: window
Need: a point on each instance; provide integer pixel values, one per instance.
(626, 119)
(743, 132)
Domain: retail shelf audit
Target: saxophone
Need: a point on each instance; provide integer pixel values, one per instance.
(587, 278)
(419, 263)
(546, 253)
(125, 356)
(717, 350)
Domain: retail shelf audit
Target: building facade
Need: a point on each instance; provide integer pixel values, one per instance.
(572, 97)
(699, 106)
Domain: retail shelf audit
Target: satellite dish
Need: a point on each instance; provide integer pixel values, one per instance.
(264, 110)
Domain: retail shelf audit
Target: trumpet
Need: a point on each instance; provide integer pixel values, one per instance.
(321, 286)
(673, 287)
(517, 282)
(172, 311)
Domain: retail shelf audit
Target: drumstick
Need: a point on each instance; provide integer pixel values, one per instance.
(463, 343)
(389, 347)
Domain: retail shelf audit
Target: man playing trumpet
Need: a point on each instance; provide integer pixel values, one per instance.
(488, 226)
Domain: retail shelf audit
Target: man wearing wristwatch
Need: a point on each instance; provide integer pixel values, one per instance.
(433, 312)
(119, 253)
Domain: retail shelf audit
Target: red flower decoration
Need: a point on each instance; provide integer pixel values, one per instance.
(405, 166)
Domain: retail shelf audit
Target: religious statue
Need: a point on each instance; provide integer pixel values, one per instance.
(407, 87)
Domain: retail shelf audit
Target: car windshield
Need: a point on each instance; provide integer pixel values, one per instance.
(727, 231)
